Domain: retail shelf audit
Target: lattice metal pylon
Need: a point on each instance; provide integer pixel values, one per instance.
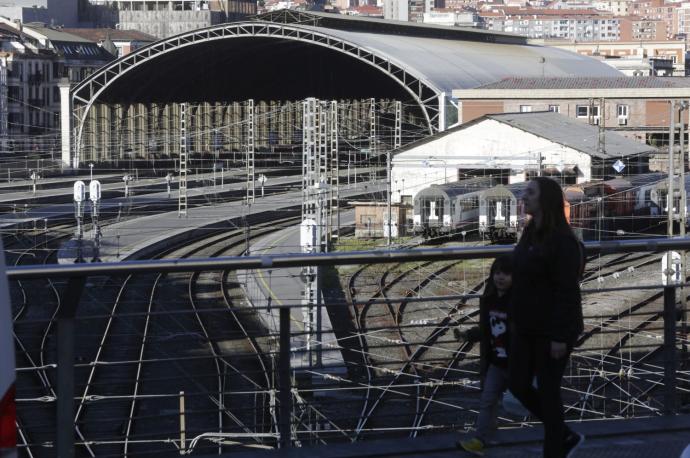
(323, 194)
(251, 179)
(397, 136)
(182, 195)
(310, 165)
(310, 179)
(372, 139)
(333, 172)
(319, 136)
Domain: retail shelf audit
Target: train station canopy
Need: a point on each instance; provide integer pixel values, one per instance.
(290, 55)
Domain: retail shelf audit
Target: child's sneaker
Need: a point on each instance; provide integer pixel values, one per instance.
(474, 446)
(572, 442)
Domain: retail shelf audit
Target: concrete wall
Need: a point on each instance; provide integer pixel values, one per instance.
(371, 221)
(485, 145)
(163, 24)
(396, 10)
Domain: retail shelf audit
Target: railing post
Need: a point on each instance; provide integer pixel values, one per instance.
(670, 363)
(285, 389)
(65, 366)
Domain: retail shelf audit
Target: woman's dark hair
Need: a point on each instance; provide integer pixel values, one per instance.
(504, 264)
(552, 209)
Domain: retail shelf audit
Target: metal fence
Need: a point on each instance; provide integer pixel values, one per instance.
(144, 374)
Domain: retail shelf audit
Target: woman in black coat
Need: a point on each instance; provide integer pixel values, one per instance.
(547, 312)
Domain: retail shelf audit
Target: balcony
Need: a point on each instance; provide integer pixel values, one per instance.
(36, 78)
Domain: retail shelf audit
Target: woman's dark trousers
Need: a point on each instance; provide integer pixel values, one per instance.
(531, 356)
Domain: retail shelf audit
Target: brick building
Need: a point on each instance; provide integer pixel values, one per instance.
(635, 107)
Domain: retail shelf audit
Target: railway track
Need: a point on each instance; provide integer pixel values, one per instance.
(180, 325)
(34, 319)
(390, 317)
(212, 385)
(646, 311)
(114, 347)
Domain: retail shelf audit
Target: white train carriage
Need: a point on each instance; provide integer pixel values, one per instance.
(500, 211)
(448, 208)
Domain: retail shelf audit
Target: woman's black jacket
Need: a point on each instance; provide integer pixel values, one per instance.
(546, 287)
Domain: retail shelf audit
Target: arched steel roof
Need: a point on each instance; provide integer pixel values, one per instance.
(453, 64)
(426, 63)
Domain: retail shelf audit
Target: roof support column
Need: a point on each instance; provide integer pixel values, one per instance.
(65, 124)
(442, 112)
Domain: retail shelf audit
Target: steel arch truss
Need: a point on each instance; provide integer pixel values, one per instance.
(423, 92)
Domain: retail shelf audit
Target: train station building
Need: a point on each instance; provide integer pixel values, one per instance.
(330, 57)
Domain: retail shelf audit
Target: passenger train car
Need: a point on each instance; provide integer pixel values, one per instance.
(445, 209)
(501, 212)
(597, 209)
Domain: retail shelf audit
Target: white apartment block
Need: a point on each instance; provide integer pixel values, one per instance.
(615, 7)
(453, 19)
(682, 13)
(406, 10)
(561, 28)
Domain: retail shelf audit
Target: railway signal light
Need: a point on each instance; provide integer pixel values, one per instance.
(79, 197)
(95, 197)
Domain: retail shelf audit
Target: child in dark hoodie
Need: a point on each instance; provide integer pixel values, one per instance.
(492, 335)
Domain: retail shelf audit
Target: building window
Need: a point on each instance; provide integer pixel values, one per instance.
(555, 108)
(623, 111)
(583, 111)
(525, 108)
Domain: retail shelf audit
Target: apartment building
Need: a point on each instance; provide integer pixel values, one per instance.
(453, 18)
(407, 10)
(675, 50)
(571, 25)
(32, 60)
(165, 18)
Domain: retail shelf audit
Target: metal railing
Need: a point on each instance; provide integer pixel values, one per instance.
(283, 407)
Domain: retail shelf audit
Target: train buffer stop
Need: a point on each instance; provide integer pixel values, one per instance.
(652, 437)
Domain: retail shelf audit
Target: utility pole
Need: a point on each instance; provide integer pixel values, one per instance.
(397, 143)
(683, 221)
(683, 196)
(388, 183)
(168, 180)
(602, 127)
(669, 195)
